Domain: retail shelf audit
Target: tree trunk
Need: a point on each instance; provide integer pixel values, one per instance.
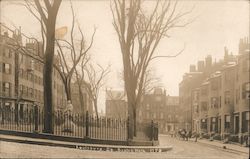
(135, 128)
(82, 108)
(67, 91)
(95, 105)
(131, 123)
(48, 80)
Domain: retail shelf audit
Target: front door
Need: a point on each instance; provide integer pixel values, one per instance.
(237, 126)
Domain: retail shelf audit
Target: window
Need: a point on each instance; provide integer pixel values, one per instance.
(227, 97)
(147, 106)
(154, 115)
(203, 91)
(204, 124)
(237, 95)
(21, 89)
(30, 94)
(203, 106)
(227, 122)
(7, 105)
(21, 73)
(7, 53)
(214, 85)
(213, 120)
(246, 91)
(214, 102)
(140, 113)
(220, 102)
(196, 108)
(247, 115)
(227, 118)
(161, 115)
(169, 117)
(228, 76)
(6, 68)
(6, 88)
(196, 95)
(245, 121)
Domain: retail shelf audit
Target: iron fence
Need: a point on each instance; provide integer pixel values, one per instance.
(74, 125)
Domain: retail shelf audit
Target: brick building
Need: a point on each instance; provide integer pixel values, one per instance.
(220, 100)
(161, 108)
(116, 104)
(21, 75)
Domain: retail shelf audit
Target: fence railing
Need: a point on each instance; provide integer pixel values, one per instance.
(74, 125)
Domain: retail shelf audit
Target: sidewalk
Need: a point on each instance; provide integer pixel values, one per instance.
(219, 144)
(84, 146)
(236, 148)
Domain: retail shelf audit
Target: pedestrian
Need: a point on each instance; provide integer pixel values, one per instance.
(195, 135)
(187, 135)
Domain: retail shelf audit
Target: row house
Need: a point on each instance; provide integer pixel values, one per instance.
(21, 75)
(161, 108)
(220, 103)
(156, 106)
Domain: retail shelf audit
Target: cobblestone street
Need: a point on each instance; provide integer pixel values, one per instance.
(181, 149)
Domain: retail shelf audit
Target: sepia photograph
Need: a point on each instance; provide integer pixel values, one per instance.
(121, 79)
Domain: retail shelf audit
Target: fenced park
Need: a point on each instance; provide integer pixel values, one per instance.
(75, 125)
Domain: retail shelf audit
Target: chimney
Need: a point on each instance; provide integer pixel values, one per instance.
(192, 68)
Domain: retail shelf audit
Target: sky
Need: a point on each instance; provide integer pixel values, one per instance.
(216, 24)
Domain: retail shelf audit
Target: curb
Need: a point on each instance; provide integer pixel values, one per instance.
(93, 147)
(224, 148)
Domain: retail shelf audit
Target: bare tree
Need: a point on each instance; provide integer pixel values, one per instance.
(79, 74)
(139, 33)
(150, 82)
(46, 13)
(94, 82)
(70, 53)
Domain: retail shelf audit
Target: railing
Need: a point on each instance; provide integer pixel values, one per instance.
(147, 131)
(74, 125)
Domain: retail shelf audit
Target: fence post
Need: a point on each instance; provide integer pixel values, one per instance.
(156, 131)
(87, 124)
(16, 113)
(152, 130)
(36, 117)
(3, 114)
(128, 132)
